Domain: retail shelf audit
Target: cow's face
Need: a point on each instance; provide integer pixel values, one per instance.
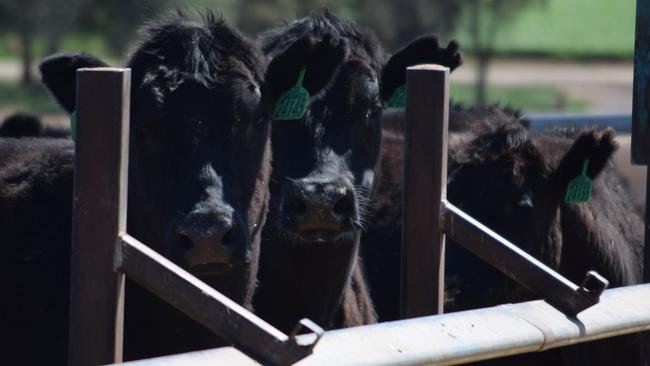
(197, 152)
(515, 185)
(325, 162)
(199, 156)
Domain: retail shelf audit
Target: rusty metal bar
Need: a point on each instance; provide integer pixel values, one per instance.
(519, 265)
(207, 306)
(461, 337)
(99, 216)
(425, 182)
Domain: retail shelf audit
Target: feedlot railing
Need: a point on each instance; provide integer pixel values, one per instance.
(456, 338)
(103, 253)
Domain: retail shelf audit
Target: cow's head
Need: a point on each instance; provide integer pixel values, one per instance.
(325, 162)
(199, 163)
(516, 184)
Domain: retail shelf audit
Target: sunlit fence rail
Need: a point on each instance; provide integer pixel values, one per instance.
(461, 337)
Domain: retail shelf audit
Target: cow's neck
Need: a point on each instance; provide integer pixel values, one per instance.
(300, 281)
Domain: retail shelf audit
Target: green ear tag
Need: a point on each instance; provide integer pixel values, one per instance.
(579, 188)
(73, 125)
(293, 103)
(398, 99)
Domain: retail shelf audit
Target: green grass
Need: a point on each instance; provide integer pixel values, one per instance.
(529, 99)
(568, 29)
(91, 43)
(35, 99)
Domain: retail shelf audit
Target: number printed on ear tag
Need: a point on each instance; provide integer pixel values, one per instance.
(579, 189)
(398, 99)
(293, 103)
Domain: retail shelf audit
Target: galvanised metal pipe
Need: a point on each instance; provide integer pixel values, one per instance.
(461, 337)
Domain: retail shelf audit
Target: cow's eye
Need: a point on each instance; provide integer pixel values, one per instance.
(241, 125)
(373, 112)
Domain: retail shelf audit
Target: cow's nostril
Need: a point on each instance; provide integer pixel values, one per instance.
(231, 237)
(296, 204)
(209, 245)
(345, 204)
(184, 242)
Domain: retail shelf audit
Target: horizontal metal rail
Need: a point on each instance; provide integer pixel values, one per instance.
(621, 122)
(394, 120)
(461, 337)
(519, 265)
(209, 307)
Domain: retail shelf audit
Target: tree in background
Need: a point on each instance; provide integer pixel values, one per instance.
(24, 16)
(118, 20)
(485, 19)
(398, 22)
(256, 16)
(30, 18)
(59, 18)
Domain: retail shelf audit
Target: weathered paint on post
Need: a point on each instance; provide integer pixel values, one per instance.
(425, 186)
(641, 104)
(99, 215)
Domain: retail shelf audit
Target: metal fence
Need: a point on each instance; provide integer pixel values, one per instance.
(461, 337)
(470, 335)
(103, 253)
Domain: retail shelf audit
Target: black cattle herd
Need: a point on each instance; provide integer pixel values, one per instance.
(296, 213)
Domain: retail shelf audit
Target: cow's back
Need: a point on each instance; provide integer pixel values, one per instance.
(35, 221)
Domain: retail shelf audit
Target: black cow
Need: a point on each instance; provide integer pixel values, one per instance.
(324, 167)
(22, 124)
(514, 181)
(198, 188)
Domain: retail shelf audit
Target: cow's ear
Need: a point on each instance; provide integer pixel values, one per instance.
(591, 150)
(423, 50)
(319, 59)
(59, 74)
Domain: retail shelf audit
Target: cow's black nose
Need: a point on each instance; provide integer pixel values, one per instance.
(210, 243)
(319, 205)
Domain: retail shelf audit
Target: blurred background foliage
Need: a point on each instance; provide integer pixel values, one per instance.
(574, 30)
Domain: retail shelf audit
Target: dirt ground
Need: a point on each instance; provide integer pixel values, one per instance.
(605, 86)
